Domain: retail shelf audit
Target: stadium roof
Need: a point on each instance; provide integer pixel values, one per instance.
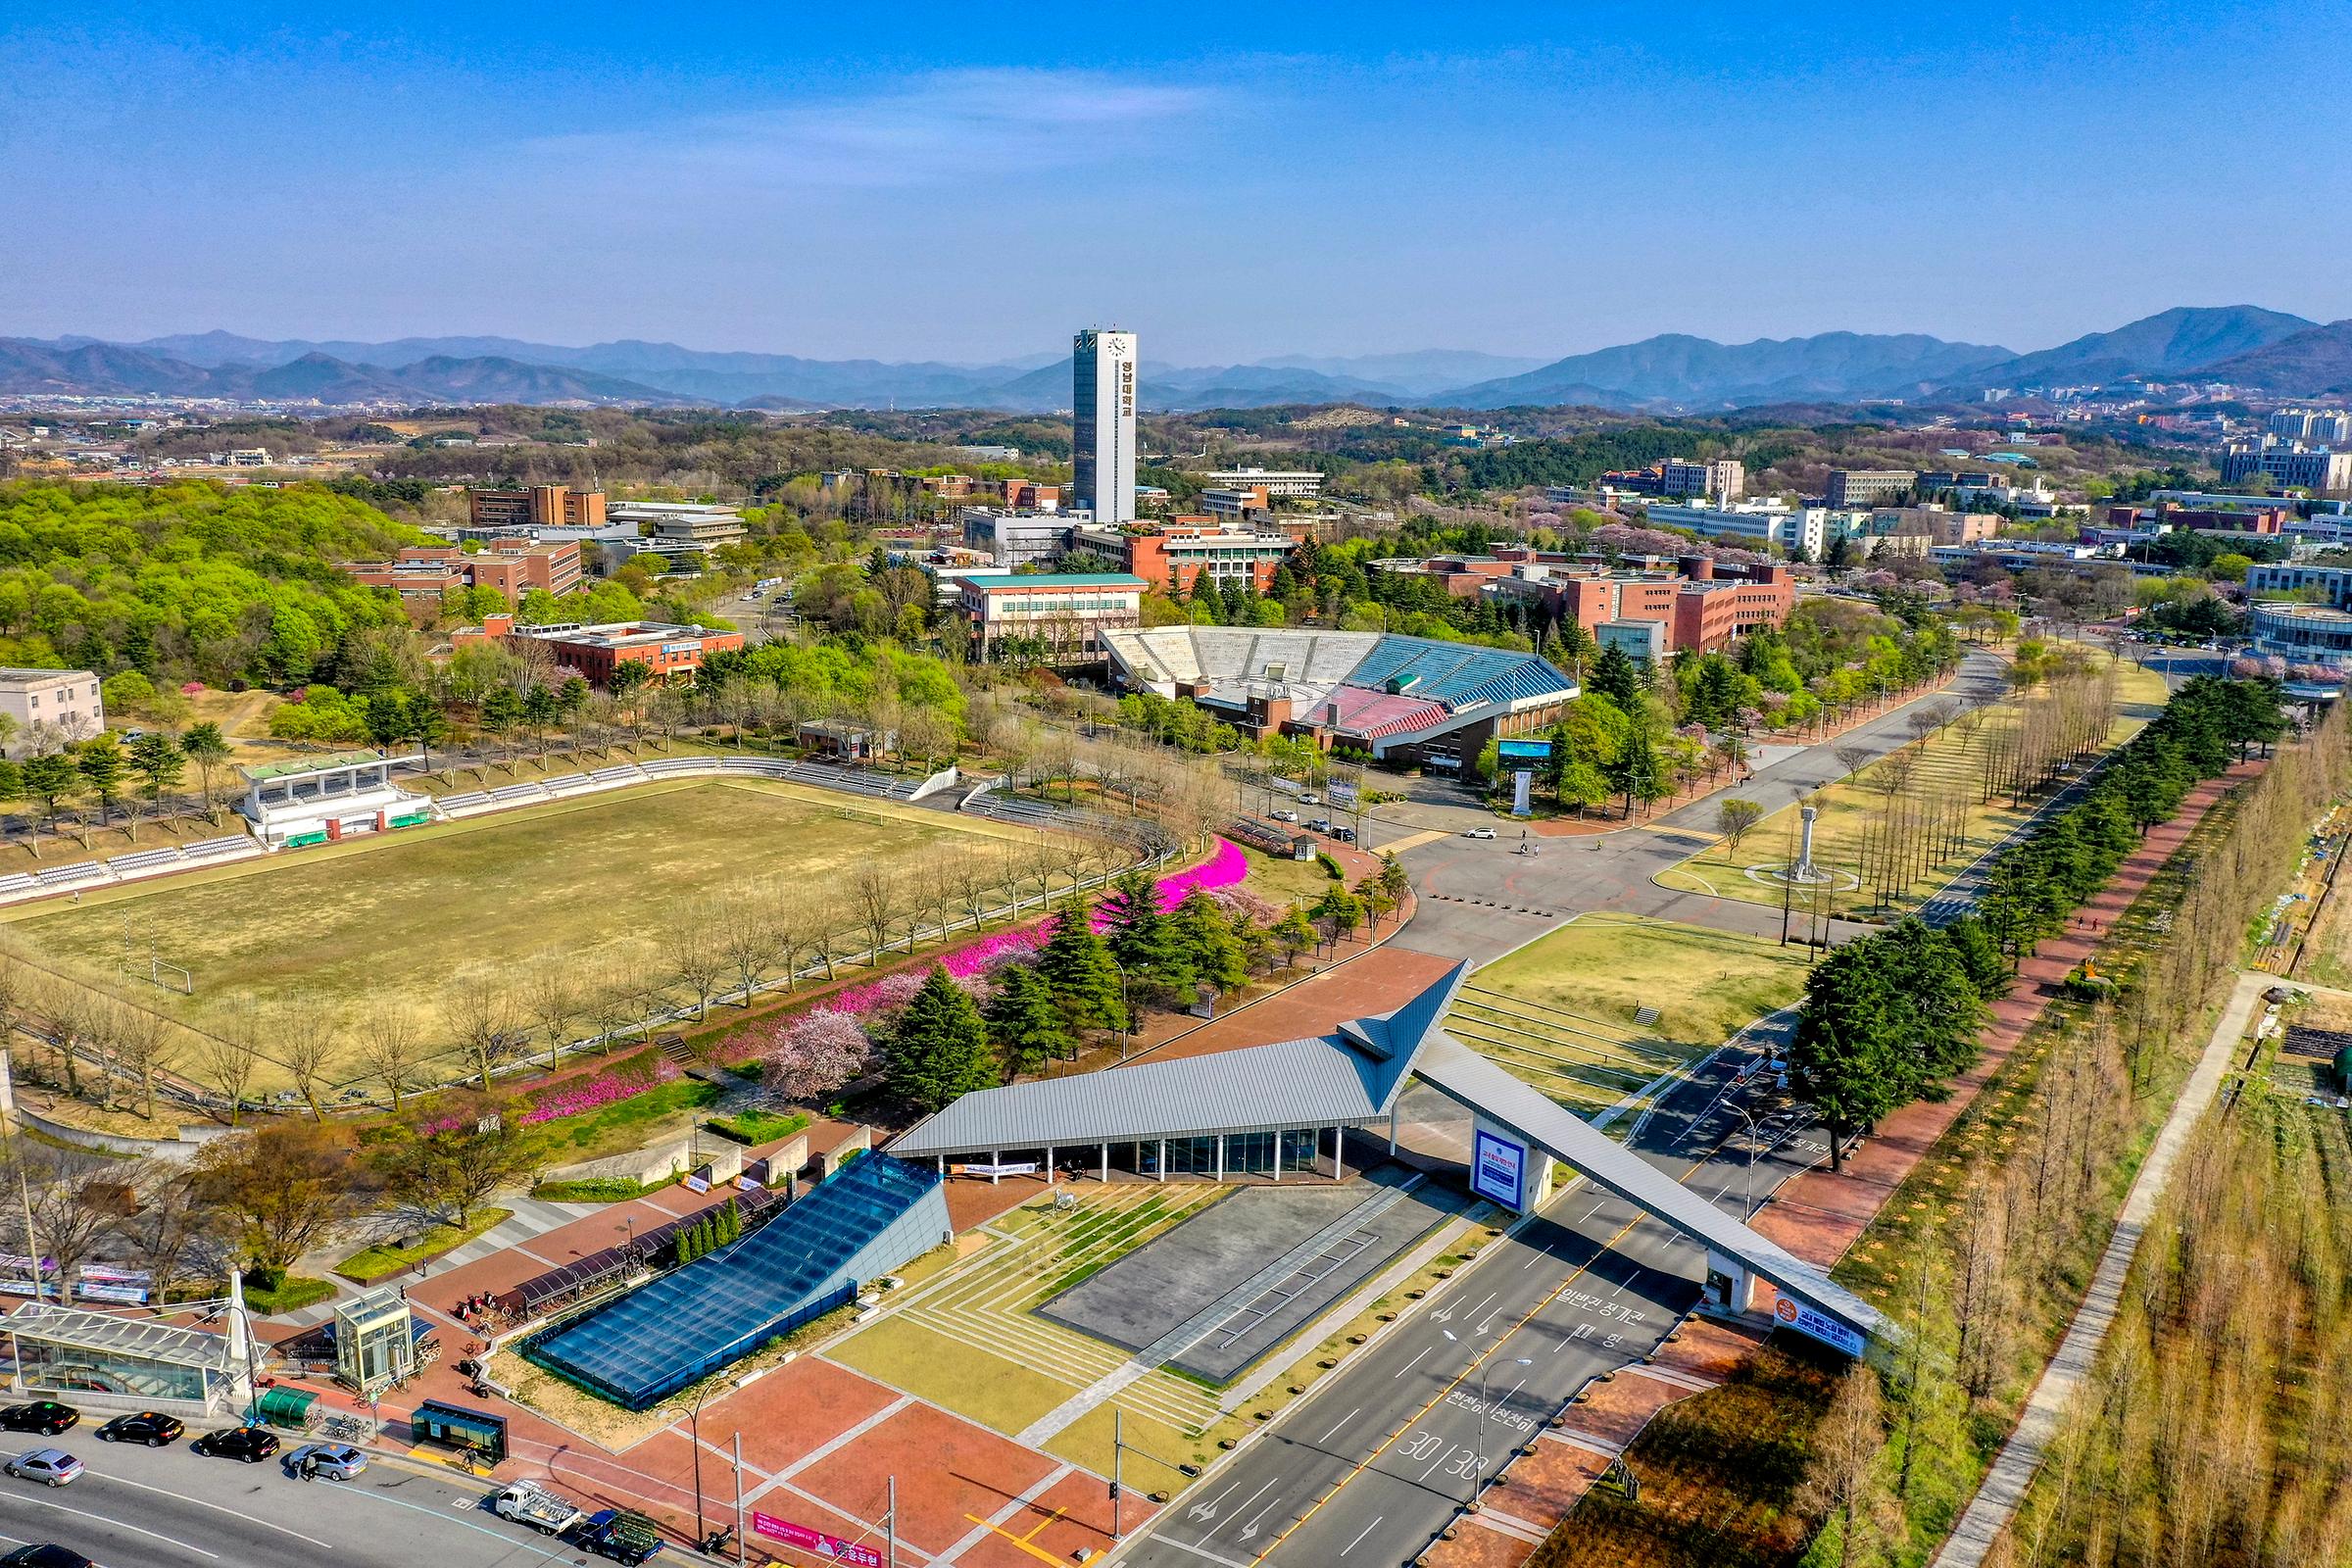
(1432, 686)
(1325, 1081)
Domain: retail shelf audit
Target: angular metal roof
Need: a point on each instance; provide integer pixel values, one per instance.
(1464, 1076)
(1352, 1076)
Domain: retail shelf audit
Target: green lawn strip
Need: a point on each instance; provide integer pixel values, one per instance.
(758, 1126)
(623, 1124)
(601, 1189)
(989, 1386)
(372, 1263)
(295, 1293)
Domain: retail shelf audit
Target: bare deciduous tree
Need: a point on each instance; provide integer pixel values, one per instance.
(391, 1042)
(479, 1016)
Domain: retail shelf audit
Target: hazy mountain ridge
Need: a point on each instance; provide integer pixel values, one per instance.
(1672, 371)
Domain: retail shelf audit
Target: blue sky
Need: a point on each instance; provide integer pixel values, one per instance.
(968, 183)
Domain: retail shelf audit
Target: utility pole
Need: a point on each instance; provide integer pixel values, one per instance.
(1118, 1451)
(739, 1543)
(890, 1524)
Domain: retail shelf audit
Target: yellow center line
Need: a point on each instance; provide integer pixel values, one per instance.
(1021, 1541)
(1462, 1377)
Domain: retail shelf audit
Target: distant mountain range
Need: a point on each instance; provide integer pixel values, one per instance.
(2242, 344)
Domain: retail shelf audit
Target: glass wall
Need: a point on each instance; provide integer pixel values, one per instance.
(49, 1364)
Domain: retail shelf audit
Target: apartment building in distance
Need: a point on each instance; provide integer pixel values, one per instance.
(2331, 427)
(1289, 484)
(1174, 555)
(1867, 487)
(540, 505)
(1700, 605)
(2288, 465)
(1063, 614)
(64, 701)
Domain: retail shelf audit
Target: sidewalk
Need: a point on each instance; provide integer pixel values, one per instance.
(2004, 1486)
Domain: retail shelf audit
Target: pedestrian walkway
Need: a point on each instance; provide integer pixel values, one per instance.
(2004, 1486)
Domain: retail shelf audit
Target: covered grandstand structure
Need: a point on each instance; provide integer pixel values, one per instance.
(1392, 696)
(1275, 1103)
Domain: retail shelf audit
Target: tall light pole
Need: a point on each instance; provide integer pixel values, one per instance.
(1485, 1414)
(1750, 1200)
(1126, 1012)
(694, 1433)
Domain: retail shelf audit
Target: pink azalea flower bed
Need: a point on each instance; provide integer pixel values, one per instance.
(975, 961)
(590, 1094)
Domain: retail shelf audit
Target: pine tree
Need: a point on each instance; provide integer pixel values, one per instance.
(1023, 1022)
(1295, 933)
(1616, 677)
(1210, 949)
(1076, 967)
(1140, 935)
(939, 1051)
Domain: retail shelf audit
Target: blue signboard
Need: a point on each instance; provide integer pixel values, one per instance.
(1498, 1168)
(1523, 751)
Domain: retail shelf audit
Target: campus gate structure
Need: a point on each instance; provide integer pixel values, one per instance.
(1264, 1110)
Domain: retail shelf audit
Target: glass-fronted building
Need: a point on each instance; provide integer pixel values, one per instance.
(63, 1350)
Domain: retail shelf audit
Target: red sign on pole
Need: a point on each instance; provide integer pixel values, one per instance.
(832, 1547)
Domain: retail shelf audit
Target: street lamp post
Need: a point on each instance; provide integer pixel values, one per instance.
(694, 1433)
(1485, 1414)
(1126, 1012)
(1749, 1201)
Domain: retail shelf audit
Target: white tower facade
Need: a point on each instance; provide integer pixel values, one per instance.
(1102, 411)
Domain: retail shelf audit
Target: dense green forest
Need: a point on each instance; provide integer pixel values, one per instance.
(187, 581)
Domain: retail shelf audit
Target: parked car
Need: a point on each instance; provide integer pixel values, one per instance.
(1320, 824)
(45, 1416)
(148, 1427)
(1310, 797)
(1284, 816)
(1346, 835)
(1480, 833)
(45, 1557)
(252, 1445)
(52, 1467)
(336, 1461)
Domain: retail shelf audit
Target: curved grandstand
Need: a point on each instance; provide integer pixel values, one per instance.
(1386, 694)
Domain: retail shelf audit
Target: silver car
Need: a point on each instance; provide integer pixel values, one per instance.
(336, 1461)
(52, 1467)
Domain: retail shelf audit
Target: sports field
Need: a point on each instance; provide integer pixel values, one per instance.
(1567, 1012)
(405, 914)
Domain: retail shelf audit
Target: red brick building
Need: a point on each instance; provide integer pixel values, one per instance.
(1172, 556)
(513, 567)
(667, 653)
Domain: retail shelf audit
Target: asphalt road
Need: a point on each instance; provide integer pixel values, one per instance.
(1373, 1464)
(170, 1508)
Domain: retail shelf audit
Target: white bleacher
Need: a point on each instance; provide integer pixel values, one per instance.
(615, 775)
(208, 848)
(80, 871)
(129, 864)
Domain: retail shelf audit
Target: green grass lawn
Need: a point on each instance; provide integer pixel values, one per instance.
(756, 1126)
(990, 1389)
(297, 1291)
(1583, 982)
(1286, 882)
(372, 1263)
(406, 913)
(627, 1124)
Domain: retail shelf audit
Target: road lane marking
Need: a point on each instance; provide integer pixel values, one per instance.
(1415, 1361)
(1460, 1379)
(165, 1492)
(1252, 1497)
(1340, 1422)
(118, 1524)
(1359, 1540)
(512, 1544)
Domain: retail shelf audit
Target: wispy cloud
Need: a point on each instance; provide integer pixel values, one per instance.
(930, 130)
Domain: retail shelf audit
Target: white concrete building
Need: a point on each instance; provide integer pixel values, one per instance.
(1102, 419)
(64, 701)
(1295, 483)
(1802, 531)
(1016, 538)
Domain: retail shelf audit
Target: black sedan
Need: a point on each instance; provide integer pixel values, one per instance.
(45, 1416)
(252, 1445)
(45, 1557)
(148, 1427)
